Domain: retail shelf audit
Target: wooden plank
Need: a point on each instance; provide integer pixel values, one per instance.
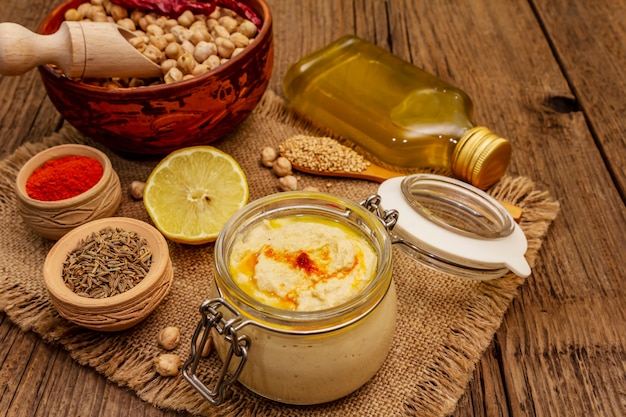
(561, 348)
(589, 40)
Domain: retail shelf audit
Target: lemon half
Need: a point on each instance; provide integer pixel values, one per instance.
(193, 191)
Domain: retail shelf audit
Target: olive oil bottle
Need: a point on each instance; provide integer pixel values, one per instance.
(397, 112)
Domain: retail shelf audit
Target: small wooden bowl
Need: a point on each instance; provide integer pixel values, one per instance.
(53, 219)
(121, 311)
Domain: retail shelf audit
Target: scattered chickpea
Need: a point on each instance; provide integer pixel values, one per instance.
(169, 337)
(288, 183)
(168, 364)
(268, 156)
(282, 167)
(136, 189)
(311, 188)
(206, 349)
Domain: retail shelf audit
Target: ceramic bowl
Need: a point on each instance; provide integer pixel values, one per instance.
(161, 118)
(53, 219)
(121, 311)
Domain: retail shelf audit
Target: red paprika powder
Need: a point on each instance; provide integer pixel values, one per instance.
(62, 178)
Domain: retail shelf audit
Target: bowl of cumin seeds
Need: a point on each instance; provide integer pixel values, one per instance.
(108, 274)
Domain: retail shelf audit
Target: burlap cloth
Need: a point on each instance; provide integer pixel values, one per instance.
(444, 323)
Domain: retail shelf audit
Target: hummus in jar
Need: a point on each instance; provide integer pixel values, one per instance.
(302, 263)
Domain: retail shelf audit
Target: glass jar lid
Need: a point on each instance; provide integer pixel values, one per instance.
(454, 227)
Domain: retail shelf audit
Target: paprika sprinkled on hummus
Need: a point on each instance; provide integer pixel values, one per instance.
(303, 263)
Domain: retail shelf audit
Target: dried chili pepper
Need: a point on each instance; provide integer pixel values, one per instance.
(174, 8)
(62, 178)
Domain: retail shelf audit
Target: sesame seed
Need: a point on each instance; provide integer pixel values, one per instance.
(322, 154)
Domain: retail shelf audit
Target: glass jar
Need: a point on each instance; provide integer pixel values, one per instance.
(297, 357)
(397, 112)
(309, 357)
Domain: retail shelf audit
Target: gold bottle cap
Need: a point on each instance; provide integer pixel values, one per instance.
(481, 157)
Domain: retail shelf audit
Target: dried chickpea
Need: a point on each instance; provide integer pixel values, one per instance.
(220, 32)
(215, 14)
(153, 53)
(199, 35)
(73, 15)
(248, 29)
(268, 156)
(169, 23)
(173, 75)
(173, 50)
(239, 40)
(186, 63)
(100, 17)
(199, 69)
(206, 349)
(236, 52)
(225, 47)
(126, 23)
(118, 12)
(159, 41)
(228, 23)
(186, 19)
(288, 183)
(136, 15)
(212, 62)
(83, 8)
(282, 167)
(168, 364)
(155, 29)
(188, 47)
(169, 337)
(136, 82)
(139, 42)
(168, 64)
(204, 50)
(136, 188)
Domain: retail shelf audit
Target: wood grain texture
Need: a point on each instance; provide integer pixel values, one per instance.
(549, 75)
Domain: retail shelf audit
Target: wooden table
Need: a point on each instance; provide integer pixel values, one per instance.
(550, 74)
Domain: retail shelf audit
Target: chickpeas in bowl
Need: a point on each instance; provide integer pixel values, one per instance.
(157, 116)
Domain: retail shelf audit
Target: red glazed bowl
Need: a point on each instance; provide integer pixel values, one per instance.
(156, 120)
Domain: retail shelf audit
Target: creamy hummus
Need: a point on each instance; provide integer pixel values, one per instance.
(303, 263)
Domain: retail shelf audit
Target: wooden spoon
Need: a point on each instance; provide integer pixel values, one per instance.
(379, 174)
(80, 49)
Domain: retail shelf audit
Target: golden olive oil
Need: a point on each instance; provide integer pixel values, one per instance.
(399, 113)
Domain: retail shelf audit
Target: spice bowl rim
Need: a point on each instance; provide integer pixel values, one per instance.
(56, 152)
(62, 296)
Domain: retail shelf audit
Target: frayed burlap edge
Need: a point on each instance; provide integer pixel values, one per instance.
(453, 366)
(442, 386)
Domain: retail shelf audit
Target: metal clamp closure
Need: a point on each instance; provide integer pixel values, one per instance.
(238, 347)
(389, 218)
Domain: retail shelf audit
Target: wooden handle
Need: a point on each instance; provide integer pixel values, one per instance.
(21, 50)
